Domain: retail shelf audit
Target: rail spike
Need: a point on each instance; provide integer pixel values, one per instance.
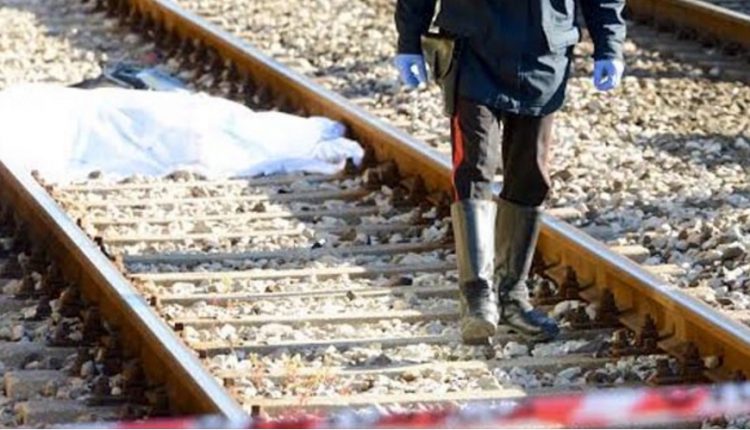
(60, 335)
(185, 50)
(417, 189)
(159, 32)
(100, 389)
(70, 302)
(136, 20)
(110, 355)
(283, 104)
(7, 220)
(247, 90)
(233, 78)
(443, 202)
(607, 315)
(262, 97)
(20, 242)
(171, 43)
(538, 265)
(570, 287)
(202, 58)
(739, 376)
(691, 365)
(400, 198)
(218, 69)
(43, 308)
(351, 169)
(93, 327)
(371, 179)
(53, 281)
(39, 259)
(370, 158)
(215, 65)
(544, 293)
(648, 338)
(194, 60)
(579, 319)
(149, 27)
(664, 374)
(384, 174)
(133, 381)
(622, 343)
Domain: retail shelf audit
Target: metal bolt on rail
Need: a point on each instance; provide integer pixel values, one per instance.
(93, 326)
(647, 340)
(569, 288)
(607, 314)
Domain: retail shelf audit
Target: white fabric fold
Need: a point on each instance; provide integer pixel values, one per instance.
(65, 133)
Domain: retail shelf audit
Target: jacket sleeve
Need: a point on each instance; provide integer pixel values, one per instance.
(413, 19)
(606, 27)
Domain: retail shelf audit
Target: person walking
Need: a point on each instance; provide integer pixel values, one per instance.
(506, 71)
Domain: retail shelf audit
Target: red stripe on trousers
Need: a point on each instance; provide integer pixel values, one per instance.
(458, 150)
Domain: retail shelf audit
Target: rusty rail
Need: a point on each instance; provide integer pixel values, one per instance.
(704, 17)
(681, 321)
(643, 302)
(166, 360)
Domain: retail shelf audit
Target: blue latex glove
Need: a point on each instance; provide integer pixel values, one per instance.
(608, 74)
(412, 69)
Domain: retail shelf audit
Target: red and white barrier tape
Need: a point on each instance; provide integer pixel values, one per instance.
(604, 408)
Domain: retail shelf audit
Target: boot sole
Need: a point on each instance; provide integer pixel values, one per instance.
(477, 330)
(540, 336)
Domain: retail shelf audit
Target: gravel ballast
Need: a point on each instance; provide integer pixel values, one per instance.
(658, 162)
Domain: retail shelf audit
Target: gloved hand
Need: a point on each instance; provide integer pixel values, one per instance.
(608, 74)
(412, 69)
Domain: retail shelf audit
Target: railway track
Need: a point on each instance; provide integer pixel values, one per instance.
(725, 20)
(135, 344)
(335, 292)
(61, 363)
(366, 317)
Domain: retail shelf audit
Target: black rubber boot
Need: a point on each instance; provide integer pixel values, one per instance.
(474, 229)
(517, 230)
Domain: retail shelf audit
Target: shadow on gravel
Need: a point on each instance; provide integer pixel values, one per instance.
(707, 150)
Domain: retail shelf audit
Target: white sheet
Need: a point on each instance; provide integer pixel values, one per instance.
(66, 133)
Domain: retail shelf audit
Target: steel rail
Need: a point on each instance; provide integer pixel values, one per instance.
(723, 23)
(165, 358)
(640, 296)
(679, 319)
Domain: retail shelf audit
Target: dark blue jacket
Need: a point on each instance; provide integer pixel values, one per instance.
(515, 54)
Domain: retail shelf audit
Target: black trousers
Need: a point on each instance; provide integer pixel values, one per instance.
(477, 145)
